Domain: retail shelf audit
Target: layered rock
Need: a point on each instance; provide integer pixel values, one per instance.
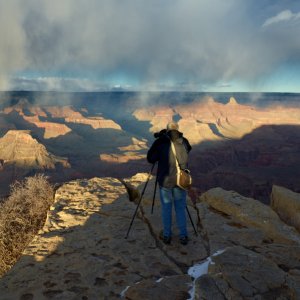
(223, 121)
(287, 204)
(250, 212)
(51, 129)
(33, 114)
(260, 254)
(158, 116)
(19, 148)
(72, 116)
(132, 152)
(246, 250)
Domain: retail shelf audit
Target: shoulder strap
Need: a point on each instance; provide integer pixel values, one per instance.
(174, 152)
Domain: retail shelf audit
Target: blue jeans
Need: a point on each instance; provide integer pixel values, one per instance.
(167, 197)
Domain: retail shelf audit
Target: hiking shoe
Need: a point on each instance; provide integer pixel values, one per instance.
(184, 240)
(165, 239)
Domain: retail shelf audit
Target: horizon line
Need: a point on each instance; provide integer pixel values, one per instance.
(146, 91)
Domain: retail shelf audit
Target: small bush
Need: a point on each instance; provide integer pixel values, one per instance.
(21, 217)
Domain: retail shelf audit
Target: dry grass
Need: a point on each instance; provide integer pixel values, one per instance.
(21, 216)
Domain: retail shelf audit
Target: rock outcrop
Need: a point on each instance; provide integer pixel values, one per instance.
(33, 114)
(243, 249)
(51, 129)
(250, 213)
(82, 252)
(20, 149)
(260, 254)
(133, 152)
(71, 116)
(287, 205)
(207, 120)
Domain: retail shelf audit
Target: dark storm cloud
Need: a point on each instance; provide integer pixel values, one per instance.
(149, 41)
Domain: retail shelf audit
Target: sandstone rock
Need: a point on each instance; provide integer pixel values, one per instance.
(52, 129)
(171, 288)
(287, 205)
(121, 158)
(71, 116)
(158, 116)
(20, 148)
(239, 273)
(81, 251)
(95, 122)
(232, 101)
(223, 230)
(231, 120)
(287, 257)
(135, 151)
(136, 145)
(251, 213)
(62, 112)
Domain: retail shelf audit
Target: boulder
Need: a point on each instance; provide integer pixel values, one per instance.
(251, 213)
(239, 273)
(287, 205)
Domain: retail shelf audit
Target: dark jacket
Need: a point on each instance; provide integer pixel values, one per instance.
(161, 151)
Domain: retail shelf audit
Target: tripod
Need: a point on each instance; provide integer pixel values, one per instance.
(140, 200)
(153, 200)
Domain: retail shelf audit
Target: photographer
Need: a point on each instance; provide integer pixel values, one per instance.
(166, 176)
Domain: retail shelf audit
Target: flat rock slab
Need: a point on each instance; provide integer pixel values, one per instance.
(82, 253)
(251, 213)
(239, 273)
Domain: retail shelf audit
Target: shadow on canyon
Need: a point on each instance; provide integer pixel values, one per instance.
(250, 165)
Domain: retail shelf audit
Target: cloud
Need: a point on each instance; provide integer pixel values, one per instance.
(181, 43)
(59, 84)
(12, 41)
(284, 16)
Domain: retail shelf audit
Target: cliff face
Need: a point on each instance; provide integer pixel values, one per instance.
(208, 120)
(19, 148)
(240, 147)
(33, 115)
(71, 116)
(81, 252)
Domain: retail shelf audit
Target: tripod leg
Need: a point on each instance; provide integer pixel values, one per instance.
(153, 200)
(140, 200)
(191, 220)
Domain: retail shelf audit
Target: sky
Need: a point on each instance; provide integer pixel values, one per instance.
(179, 45)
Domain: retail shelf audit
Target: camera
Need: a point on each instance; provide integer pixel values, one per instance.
(160, 133)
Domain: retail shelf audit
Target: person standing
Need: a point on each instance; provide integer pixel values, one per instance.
(161, 152)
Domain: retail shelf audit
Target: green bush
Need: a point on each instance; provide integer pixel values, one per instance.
(21, 217)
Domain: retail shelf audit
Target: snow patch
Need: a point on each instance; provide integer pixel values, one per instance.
(122, 294)
(199, 270)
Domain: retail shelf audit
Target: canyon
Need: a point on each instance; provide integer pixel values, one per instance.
(244, 201)
(241, 146)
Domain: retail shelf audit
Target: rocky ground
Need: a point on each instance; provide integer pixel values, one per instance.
(82, 253)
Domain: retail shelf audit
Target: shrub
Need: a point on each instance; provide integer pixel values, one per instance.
(21, 217)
